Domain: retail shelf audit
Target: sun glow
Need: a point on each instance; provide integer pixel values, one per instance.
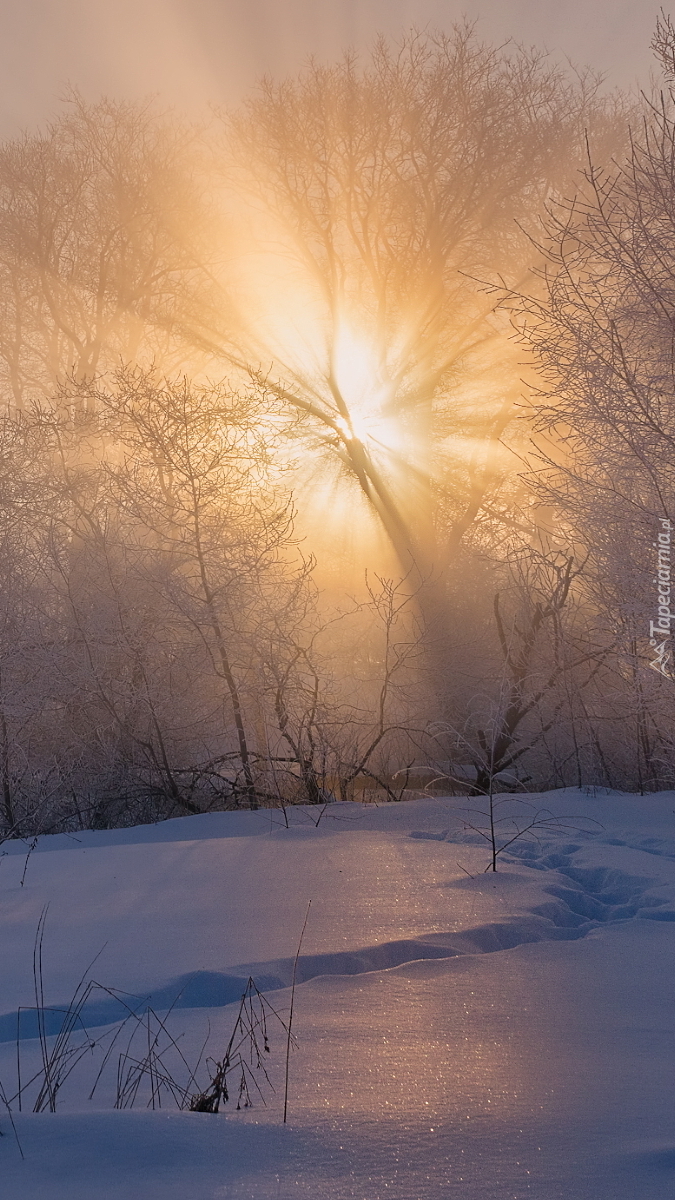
(354, 365)
(366, 395)
(355, 386)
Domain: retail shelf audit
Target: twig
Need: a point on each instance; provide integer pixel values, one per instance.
(31, 848)
(5, 1101)
(290, 1015)
(465, 871)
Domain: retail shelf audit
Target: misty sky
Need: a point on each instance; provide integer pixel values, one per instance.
(196, 51)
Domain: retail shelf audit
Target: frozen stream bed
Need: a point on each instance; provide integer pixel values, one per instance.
(460, 1033)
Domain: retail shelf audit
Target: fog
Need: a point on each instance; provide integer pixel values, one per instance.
(336, 437)
(195, 52)
(337, 499)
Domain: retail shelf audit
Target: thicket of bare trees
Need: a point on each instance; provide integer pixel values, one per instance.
(187, 328)
(163, 649)
(603, 337)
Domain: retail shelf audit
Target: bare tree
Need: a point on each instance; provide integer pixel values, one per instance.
(102, 239)
(337, 732)
(193, 492)
(26, 622)
(520, 724)
(383, 194)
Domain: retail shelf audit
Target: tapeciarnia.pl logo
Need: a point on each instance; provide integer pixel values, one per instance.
(659, 630)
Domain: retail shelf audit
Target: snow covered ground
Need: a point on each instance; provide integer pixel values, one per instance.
(460, 1034)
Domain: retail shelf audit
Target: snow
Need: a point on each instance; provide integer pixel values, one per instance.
(460, 1034)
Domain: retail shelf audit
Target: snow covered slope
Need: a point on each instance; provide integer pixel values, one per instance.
(460, 1034)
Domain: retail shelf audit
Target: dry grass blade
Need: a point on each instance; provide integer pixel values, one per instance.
(290, 1015)
(244, 1053)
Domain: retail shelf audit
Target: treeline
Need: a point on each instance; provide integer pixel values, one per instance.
(162, 646)
(437, 285)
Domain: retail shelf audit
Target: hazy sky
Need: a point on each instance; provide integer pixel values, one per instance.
(193, 51)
